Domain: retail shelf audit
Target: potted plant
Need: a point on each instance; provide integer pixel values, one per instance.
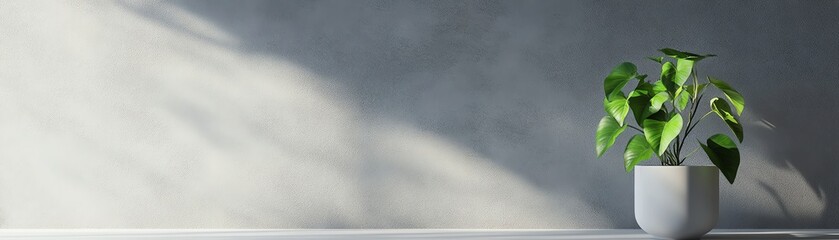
(671, 200)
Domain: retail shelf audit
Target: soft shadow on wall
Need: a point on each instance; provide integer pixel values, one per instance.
(435, 77)
(387, 202)
(136, 123)
(516, 81)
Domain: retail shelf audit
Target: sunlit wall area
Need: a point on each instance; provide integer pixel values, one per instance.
(388, 114)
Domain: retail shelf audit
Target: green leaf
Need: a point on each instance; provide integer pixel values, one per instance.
(657, 100)
(732, 95)
(668, 71)
(637, 151)
(671, 130)
(618, 78)
(658, 87)
(659, 60)
(674, 53)
(640, 107)
(683, 70)
(659, 133)
(722, 109)
(635, 93)
(724, 154)
(639, 100)
(659, 116)
(607, 131)
(683, 55)
(643, 88)
(617, 108)
(682, 99)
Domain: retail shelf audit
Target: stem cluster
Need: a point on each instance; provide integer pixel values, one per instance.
(672, 156)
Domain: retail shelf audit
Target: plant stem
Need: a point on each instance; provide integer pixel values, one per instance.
(634, 127)
(680, 140)
(700, 120)
(670, 158)
(659, 159)
(692, 152)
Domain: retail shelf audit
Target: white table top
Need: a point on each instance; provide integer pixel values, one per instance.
(247, 234)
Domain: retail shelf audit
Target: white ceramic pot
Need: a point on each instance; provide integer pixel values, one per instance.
(680, 202)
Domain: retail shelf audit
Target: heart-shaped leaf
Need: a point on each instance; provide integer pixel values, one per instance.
(722, 109)
(682, 98)
(658, 87)
(607, 131)
(618, 108)
(683, 70)
(618, 78)
(657, 100)
(637, 150)
(640, 107)
(659, 134)
(724, 154)
(668, 72)
(732, 95)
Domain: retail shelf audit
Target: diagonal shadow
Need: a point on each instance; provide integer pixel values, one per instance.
(515, 81)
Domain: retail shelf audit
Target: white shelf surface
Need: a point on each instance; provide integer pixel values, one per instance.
(416, 234)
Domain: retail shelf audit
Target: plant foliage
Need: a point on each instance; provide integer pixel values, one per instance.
(660, 107)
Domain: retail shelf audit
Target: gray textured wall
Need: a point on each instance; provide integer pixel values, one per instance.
(379, 114)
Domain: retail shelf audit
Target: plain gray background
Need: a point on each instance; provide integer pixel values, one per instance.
(391, 114)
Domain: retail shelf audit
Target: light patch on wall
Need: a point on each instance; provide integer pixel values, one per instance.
(112, 119)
